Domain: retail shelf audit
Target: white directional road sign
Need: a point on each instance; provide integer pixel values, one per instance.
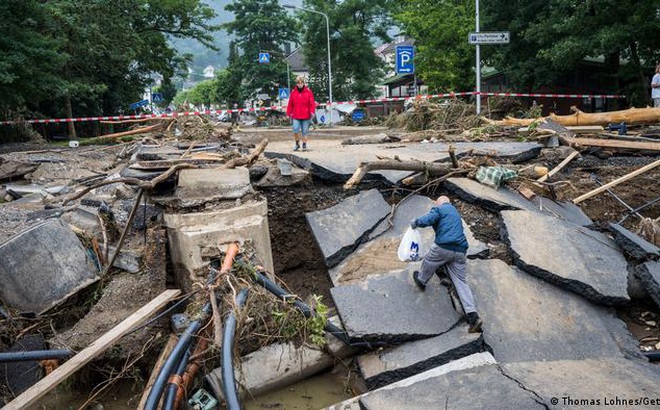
(500, 37)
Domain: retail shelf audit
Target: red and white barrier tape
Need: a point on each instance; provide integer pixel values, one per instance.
(554, 95)
(282, 108)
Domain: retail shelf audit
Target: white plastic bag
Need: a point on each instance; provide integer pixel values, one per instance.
(410, 248)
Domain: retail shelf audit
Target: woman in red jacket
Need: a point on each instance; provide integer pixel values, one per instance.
(301, 109)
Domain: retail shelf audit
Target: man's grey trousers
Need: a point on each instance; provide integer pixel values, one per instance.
(455, 263)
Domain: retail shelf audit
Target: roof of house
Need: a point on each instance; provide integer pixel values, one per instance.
(390, 48)
(296, 60)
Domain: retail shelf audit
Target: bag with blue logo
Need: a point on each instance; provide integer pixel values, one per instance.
(410, 246)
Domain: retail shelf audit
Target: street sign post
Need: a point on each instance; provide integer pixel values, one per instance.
(264, 58)
(405, 59)
(495, 37)
(141, 103)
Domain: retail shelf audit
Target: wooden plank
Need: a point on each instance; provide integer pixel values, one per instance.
(616, 182)
(595, 142)
(577, 129)
(44, 385)
(559, 167)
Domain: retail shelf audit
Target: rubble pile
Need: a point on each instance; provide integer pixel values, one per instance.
(562, 223)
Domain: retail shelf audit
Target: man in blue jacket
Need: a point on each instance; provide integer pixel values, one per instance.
(448, 250)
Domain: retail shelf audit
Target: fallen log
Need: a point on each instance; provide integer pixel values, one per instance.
(248, 160)
(147, 185)
(616, 182)
(370, 139)
(433, 168)
(630, 116)
(131, 132)
(49, 382)
(137, 120)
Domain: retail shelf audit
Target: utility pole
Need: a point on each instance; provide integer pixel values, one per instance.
(478, 62)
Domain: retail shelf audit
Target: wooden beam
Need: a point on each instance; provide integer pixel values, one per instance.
(72, 365)
(559, 167)
(131, 132)
(607, 143)
(616, 182)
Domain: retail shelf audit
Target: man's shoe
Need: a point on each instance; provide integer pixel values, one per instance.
(474, 322)
(304, 146)
(297, 147)
(421, 285)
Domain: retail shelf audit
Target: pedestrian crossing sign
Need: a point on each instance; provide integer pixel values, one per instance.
(264, 58)
(284, 93)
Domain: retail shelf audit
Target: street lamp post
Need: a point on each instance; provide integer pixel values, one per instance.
(327, 30)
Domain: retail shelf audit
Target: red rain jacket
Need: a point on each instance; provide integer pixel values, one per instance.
(301, 104)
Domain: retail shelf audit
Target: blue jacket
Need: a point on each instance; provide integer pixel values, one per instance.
(448, 227)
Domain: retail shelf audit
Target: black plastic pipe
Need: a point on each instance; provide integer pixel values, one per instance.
(639, 208)
(329, 327)
(174, 359)
(34, 355)
(228, 377)
(169, 400)
(653, 356)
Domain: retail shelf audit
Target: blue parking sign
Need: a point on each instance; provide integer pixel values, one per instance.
(405, 59)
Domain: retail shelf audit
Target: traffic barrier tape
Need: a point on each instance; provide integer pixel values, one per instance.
(283, 108)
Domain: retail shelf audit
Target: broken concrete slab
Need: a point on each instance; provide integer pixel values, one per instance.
(503, 198)
(473, 361)
(592, 382)
(379, 254)
(274, 178)
(568, 255)
(335, 162)
(199, 186)
(389, 366)
(649, 275)
(282, 364)
(194, 238)
(10, 169)
(527, 319)
(389, 307)
(633, 245)
(340, 229)
(42, 266)
(484, 387)
(126, 260)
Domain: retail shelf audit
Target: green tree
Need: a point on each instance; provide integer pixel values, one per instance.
(354, 24)
(440, 28)
(29, 59)
(259, 26)
(92, 57)
(550, 39)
